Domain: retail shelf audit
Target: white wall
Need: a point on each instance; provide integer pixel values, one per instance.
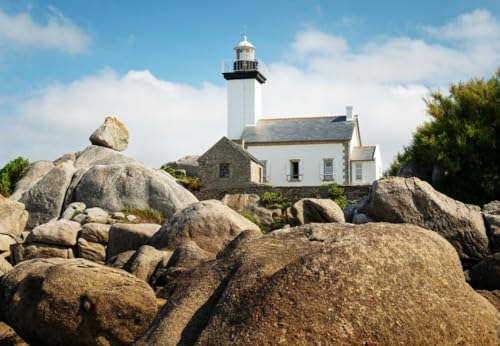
(369, 172)
(244, 105)
(311, 162)
(378, 163)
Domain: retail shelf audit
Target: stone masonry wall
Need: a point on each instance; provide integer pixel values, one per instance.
(353, 193)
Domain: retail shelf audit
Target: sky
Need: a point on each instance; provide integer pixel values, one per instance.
(156, 65)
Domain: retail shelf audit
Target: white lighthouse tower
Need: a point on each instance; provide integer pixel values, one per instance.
(244, 95)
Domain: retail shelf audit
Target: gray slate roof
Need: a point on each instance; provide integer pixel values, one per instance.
(226, 141)
(299, 130)
(365, 153)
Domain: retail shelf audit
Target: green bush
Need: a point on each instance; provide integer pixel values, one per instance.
(146, 215)
(278, 222)
(336, 193)
(190, 183)
(11, 173)
(275, 199)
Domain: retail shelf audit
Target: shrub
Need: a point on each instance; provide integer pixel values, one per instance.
(336, 193)
(146, 215)
(11, 173)
(190, 183)
(275, 199)
(278, 222)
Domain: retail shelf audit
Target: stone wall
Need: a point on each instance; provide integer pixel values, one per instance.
(353, 193)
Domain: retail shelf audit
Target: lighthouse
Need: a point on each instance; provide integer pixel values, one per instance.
(244, 78)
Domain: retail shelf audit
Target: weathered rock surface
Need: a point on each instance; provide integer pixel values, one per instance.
(112, 134)
(187, 163)
(96, 215)
(95, 155)
(492, 296)
(133, 186)
(41, 250)
(13, 216)
(5, 266)
(244, 202)
(94, 252)
(495, 238)
(400, 200)
(144, 262)
(95, 232)
(309, 210)
(486, 274)
(75, 302)
(6, 240)
(36, 171)
(360, 218)
(120, 260)
(9, 337)
(209, 224)
(73, 209)
(62, 232)
(368, 284)
(124, 237)
(45, 199)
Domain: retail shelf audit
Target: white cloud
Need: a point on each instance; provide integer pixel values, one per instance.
(165, 120)
(58, 33)
(384, 80)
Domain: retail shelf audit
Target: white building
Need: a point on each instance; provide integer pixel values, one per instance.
(294, 151)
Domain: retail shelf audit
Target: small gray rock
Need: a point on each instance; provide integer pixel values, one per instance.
(73, 210)
(96, 215)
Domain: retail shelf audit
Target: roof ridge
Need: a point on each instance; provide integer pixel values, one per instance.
(304, 117)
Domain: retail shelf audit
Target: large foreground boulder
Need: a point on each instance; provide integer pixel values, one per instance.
(45, 199)
(309, 210)
(372, 284)
(13, 216)
(75, 302)
(411, 200)
(209, 224)
(112, 134)
(119, 186)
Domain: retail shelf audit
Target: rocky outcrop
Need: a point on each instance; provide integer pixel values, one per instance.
(367, 284)
(187, 163)
(72, 210)
(9, 337)
(133, 186)
(95, 155)
(94, 252)
(125, 237)
(13, 216)
(42, 250)
(96, 233)
(492, 296)
(75, 302)
(209, 224)
(309, 210)
(45, 199)
(411, 200)
(36, 171)
(144, 262)
(112, 134)
(486, 274)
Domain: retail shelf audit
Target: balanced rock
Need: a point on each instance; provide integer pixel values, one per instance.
(357, 284)
(411, 200)
(75, 302)
(309, 210)
(112, 134)
(62, 232)
(36, 171)
(131, 186)
(45, 199)
(13, 216)
(209, 224)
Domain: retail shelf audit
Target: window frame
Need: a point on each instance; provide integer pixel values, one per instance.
(358, 171)
(224, 173)
(331, 175)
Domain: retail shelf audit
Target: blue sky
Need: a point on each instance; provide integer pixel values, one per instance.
(64, 65)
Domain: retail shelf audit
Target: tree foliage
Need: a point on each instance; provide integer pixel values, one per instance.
(11, 173)
(461, 140)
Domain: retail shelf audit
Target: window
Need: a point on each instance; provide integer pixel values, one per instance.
(294, 170)
(328, 169)
(264, 171)
(359, 171)
(260, 175)
(224, 170)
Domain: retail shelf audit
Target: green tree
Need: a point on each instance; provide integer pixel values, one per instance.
(11, 173)
(461, 139)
